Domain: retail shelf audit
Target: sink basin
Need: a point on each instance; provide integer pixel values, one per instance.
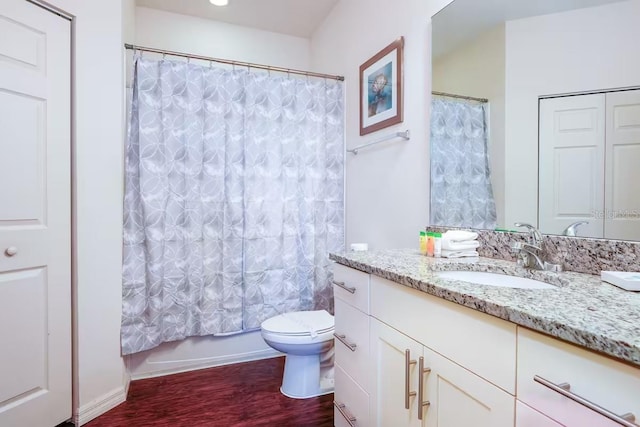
(494, 279)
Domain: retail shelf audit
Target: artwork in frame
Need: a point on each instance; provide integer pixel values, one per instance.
(381, 89)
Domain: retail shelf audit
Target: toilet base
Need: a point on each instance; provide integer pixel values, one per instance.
(303, 378)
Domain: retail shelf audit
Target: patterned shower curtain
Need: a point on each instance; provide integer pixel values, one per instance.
(461, 193)
(233, 200)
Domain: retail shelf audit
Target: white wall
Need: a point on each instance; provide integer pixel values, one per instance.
(581, 50)
(478, 69)
(182, 33)
(387, 198)
(99, 380)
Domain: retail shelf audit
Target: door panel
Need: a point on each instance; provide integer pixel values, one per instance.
(622, 174)
(21, 321)
(22, 120)
(35, 232)
(571, 175)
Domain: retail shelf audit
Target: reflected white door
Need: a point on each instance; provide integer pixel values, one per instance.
(35, 234)
(571, 172)
(622, 171)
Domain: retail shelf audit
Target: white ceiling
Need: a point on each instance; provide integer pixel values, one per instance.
(294, 17)
(463, 20)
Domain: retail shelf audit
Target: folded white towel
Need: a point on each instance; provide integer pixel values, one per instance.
(459, 235)
(452, 245)
(459, 254)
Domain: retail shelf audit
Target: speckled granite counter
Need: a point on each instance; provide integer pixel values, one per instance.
(582, 309)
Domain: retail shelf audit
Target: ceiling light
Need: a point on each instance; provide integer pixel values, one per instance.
(219, 2)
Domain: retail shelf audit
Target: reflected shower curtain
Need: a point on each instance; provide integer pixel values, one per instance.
(234, 198)
(461, 193)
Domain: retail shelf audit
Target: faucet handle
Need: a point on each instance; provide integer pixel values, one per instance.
(572, 229)
(535, 238)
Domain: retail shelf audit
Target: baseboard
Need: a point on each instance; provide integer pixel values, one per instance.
(99, 406)
(196, 364)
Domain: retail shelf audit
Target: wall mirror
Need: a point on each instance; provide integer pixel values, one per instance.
(536, 116)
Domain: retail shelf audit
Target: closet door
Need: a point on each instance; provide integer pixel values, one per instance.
(35, 203)
(622, 171)
(571, 172)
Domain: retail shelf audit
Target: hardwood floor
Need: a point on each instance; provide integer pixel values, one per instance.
(242, 395)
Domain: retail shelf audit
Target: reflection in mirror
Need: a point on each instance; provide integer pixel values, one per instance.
(558, 142)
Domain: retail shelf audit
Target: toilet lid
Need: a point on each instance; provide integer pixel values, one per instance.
(300, 323)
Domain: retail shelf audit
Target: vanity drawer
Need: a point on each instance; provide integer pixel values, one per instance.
(352, 341)
(605, 382)
(351, 286)
(352, 399)
(528, 417)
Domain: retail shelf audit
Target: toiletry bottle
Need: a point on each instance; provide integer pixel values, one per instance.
(423, 243)
(429, 244)
(437, 245)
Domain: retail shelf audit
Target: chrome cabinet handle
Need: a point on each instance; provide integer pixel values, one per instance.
(343, 410)
(421, 402)
(407, 377)
(343, 340)
(345, 287)
(563, 389)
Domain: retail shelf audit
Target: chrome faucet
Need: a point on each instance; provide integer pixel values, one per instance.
(535, 238)
(531, 254)
(573, 228)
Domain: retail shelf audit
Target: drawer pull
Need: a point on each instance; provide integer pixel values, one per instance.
(564, 389)
(421, 402)
(343, 340)
(345, 287)
(407, 377)
(347, 416)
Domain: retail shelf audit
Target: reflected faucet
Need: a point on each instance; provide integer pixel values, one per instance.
(531, 254)
(573, 228)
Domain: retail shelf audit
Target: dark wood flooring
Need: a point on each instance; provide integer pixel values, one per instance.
(242, 395)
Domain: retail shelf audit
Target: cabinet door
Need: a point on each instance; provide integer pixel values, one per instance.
(458, 397)
(388, 389)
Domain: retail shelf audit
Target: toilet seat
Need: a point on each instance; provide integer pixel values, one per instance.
(300, 324)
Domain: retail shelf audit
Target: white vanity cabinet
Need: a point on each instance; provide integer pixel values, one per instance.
(406, 328)
(407, 374)
(352, 361)
(477, 370)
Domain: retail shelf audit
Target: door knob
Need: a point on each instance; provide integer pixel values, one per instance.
(11, 251)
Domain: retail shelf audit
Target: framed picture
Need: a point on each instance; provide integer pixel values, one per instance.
(381, 89)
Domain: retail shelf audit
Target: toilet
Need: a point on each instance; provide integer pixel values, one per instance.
(306, 337)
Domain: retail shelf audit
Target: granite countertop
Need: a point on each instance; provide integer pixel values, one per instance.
(582, 309)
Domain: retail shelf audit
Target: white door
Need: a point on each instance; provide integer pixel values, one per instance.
(388, 386)
(458, 397)
(35, 248)
(571, 171)
(622, 171)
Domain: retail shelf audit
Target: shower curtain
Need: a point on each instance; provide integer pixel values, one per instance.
(233, 199)
(461, 193)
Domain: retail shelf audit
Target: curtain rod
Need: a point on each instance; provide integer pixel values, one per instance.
(451, 95)
(231, 62)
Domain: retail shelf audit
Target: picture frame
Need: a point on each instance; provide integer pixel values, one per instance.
(381, 89)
